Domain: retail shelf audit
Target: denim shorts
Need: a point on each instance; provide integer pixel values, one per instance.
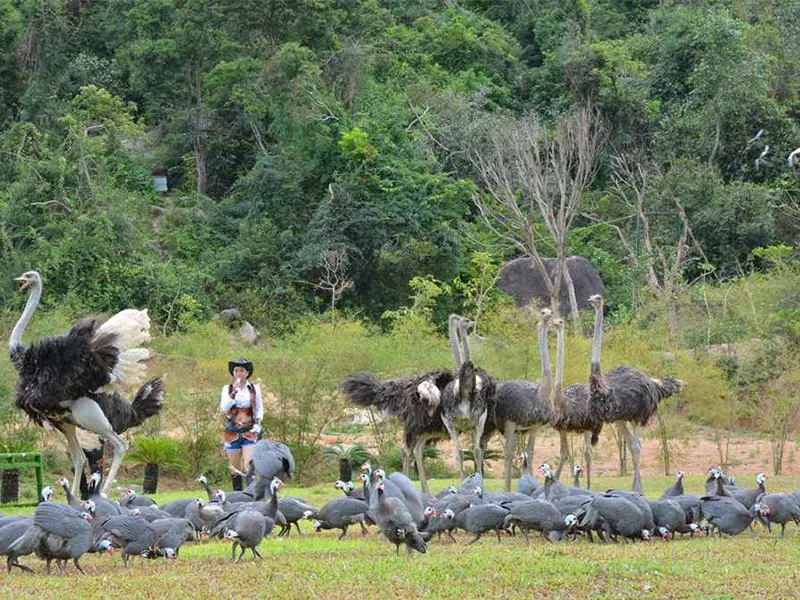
(238, 443)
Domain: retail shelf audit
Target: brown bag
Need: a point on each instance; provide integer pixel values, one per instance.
(229, 436)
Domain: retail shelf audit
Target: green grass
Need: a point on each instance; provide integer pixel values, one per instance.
(317, 565)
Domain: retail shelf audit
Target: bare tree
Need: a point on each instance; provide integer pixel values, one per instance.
(661, 261)
(531, 175)
(334, 278)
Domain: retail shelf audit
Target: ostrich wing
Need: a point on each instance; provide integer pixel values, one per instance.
(55, 371)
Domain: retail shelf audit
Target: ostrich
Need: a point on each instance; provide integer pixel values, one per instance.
(467, 397)
(571, 411)
(624, 395)
(62, 379)
(413, 400)
(522, 406)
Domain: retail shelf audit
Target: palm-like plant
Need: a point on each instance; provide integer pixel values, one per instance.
(154, 453)
(351, 457)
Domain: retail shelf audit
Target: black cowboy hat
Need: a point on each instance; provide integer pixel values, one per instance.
(240, 362)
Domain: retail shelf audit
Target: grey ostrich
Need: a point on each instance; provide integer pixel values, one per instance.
(468, 396)
(522, 406)
(571, 411)
(413, 400)
(624, 395)
(63, 380)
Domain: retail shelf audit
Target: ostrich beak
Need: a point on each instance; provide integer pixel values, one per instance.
(23, 282)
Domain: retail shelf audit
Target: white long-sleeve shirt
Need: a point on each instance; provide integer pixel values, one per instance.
(241, 400)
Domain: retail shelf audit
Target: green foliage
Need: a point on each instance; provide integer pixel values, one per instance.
(162, 451)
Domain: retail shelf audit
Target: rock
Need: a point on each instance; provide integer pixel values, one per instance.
(229, 315)
(248, 333)
(520, 279)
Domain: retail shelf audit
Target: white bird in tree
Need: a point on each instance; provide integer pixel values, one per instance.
(65, 381)
(756, 137)
(794, 157)
(764, 153)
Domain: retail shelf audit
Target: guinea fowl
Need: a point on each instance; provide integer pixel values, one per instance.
(171, 533)
(748, 497)
(726, 514)
(133, 535)
(150, 513)
(676, 489)
(615, 515)
(396, 523)
(480, 519)
(539, 515)
(640, 502)
(293, 510)
(411, 496)
(270, 459)
(62, 378)
(527, 483)
(668, 513)
(340, 513)
(103, 506)
(234, 496)
(59, 533)
(247, 530)
(10, 531)
(74, 502)
(348, 489)
(131, 499)
(777, 508)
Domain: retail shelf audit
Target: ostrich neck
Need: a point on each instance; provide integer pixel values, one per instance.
(558, 396)
(33, 301)
(544, 353)
(597, 341)
(454, 340)
(465, 340)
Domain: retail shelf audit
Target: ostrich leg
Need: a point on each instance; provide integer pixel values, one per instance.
(451, 429)
(634, 443)
(418, 458)
(76, 454)
(480, 425)
(87, 414)
(510, 432)
(588, 455)
(565, 454)
(407, 461)
(532, 441)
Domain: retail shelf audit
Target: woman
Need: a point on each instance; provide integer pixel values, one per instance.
(241, 404)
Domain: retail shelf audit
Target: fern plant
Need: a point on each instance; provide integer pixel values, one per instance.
(154, 453)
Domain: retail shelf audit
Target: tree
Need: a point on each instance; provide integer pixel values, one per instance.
(526, 170)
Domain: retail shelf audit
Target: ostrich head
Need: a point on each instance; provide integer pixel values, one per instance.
(596, 300)
(47, 493)
(545, 314)
(27, 279)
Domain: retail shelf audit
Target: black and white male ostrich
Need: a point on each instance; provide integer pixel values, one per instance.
(468, 396)
(413, 400)
(571, 410)
(63, 380)
(625, 395)
(522, 406)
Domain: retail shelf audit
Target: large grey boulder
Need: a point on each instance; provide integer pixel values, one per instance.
(521, 279)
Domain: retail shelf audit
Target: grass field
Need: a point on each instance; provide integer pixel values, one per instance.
(318, 566)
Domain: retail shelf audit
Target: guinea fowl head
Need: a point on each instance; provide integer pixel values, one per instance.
(47, 493)
(646, 535)
(664, 531)
(478, 491)
(761, 508)
(678, 474)
(202, 480)
(761, 479)
(104, 546)
(570, 521)
(366, 467)
(380, 474)
(449, 514)
(364, 478)
(339, 485)
(28, 278)
(218, 496)
(546, 470)
(429, 512)
(577, 470)
(229, 535)
(63, 482)
(89, 506)
(379, 488)
(275, 485)
(317, 525)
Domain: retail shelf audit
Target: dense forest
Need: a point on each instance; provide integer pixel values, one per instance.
(316, 145)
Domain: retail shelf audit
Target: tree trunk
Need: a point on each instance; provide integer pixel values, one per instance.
(9, 491)
(150, 484)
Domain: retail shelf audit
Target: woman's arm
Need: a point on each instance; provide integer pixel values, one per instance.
(225, 401)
